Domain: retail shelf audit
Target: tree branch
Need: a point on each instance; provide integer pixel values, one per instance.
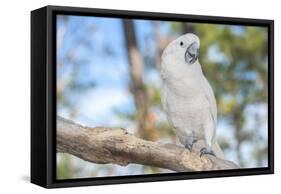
(115, 145)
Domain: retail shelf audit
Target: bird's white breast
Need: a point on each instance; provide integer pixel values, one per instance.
(185, 105)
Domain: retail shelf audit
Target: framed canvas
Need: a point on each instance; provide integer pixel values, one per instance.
(126, 96)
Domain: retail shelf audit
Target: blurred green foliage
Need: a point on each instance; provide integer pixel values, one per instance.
(65, 168)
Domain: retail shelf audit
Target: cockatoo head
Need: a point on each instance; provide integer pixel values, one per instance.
(180, 55)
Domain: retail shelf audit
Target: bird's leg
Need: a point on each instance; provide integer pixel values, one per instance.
(189, 143)
(207, 150)
(209, 131)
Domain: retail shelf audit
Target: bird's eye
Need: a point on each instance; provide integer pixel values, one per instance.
(181, 44)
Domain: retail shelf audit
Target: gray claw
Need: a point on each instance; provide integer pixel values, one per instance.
(189, 146)
(206, 151)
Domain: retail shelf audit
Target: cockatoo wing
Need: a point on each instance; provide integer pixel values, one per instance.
(213, 110)
(209, 94)
(164, 98)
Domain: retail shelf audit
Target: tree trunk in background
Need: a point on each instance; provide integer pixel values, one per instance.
(238, 127)
(238, 124)
(146, 128)
(161, 43)
(188, 28)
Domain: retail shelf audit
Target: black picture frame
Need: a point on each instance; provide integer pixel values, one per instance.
(43, 96)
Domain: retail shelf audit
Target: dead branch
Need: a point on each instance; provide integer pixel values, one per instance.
(115, 145)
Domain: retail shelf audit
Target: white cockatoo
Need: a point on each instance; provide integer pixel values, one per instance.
(187, 96)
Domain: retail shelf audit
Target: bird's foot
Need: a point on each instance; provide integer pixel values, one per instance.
(189, 145)
(207, 151)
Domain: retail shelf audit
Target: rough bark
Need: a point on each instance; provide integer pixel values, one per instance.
(115, 145)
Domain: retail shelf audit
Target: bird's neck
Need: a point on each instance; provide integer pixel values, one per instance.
(194, 72)
(197, 67)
